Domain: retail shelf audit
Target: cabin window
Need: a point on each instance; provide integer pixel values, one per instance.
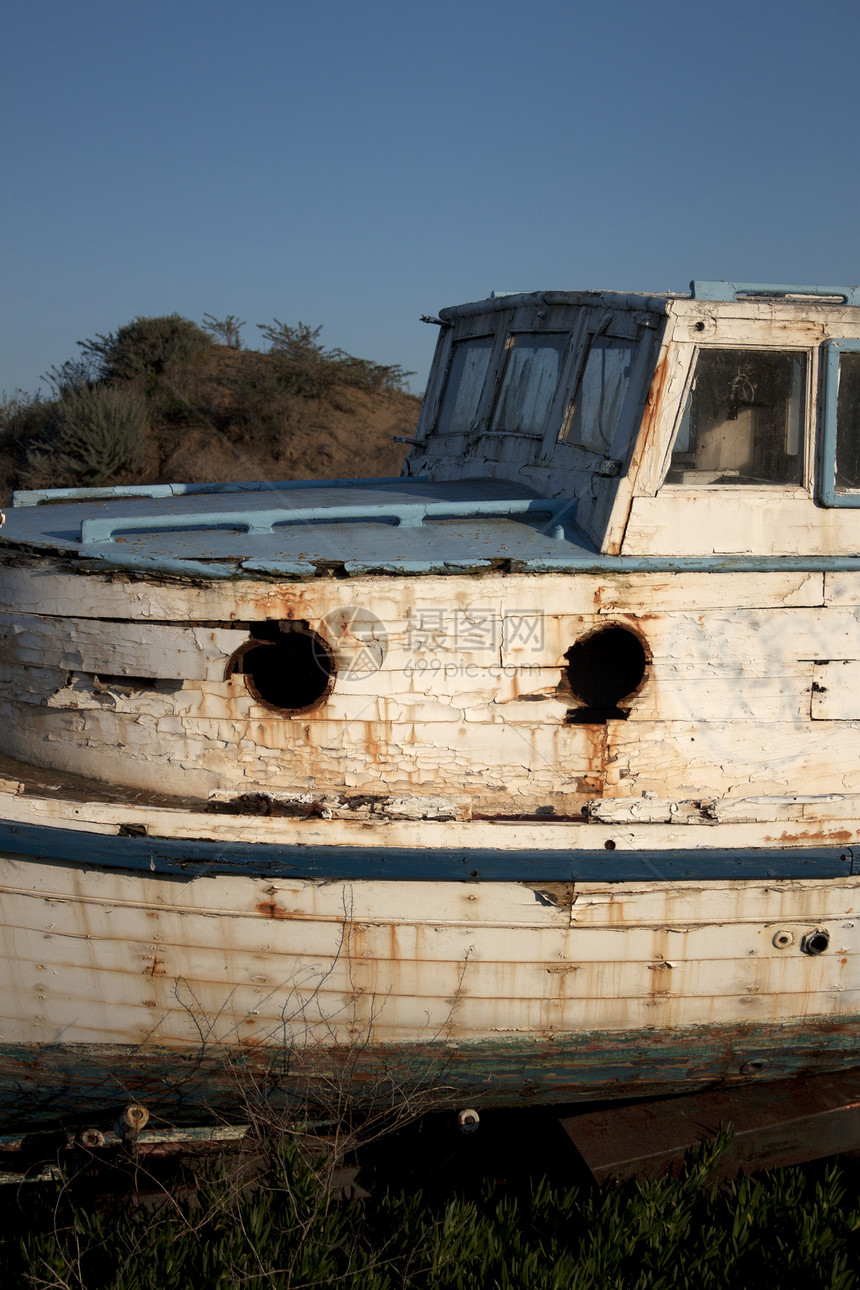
(600, 393)
(529, 382)
(468, 371)
(841, 450)
(743, 422)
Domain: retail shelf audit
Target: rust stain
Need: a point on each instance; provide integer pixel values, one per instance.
(615, 912)
(659, 983)
(594, 780)
(268, 909)
(812, 835)
(283, 601)
(372, 746)
(653, 404)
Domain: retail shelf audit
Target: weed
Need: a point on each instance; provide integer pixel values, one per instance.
(281, 1225)
(91, 435)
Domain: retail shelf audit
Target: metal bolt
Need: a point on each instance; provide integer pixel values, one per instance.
(468, 1120)
(90, 1138)
(130, 1122)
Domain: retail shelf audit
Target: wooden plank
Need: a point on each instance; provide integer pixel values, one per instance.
(509, 1069)
(409, 822)
(632, 955)
(773, 521)
(313, 957)
(133, 954)
(300, 852)
(836, 691)
(531, 757)
(66, 594)
(122, 648)
(774, 1124)
(842, 587)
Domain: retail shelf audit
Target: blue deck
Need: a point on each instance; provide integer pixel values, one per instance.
(299, 529)
(294, 528)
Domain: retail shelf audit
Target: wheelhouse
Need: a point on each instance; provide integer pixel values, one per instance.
(723, 422)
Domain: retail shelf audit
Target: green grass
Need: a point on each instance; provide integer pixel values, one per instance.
(790, 1227)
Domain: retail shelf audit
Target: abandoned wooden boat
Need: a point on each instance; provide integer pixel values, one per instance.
(533, 774)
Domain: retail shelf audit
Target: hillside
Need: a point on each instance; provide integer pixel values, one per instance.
(161, 400)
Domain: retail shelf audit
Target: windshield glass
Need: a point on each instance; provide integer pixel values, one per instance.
(743, 420)
(601, 392)
(469, 363)
(529, 382)
(848, 423)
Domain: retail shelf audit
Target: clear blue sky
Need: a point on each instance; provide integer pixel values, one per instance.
(358, 162)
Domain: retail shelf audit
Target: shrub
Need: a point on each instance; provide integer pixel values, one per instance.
(72, 375)
(226, 330)
(145, 347)
(284, 1226)
(93, 435)
(311, 370)
(23, 419)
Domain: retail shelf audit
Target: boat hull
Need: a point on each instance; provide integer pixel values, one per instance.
(73, 1084)
(193, 990)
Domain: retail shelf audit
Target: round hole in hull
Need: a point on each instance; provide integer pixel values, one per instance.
(604, 668)
(815, 942)
(292, 671)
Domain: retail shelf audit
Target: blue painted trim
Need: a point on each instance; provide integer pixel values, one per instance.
(587, 563)
(45, 496)
(160, 564)
(193, 858)
(828, 494)
(728, 292)
(574, 562)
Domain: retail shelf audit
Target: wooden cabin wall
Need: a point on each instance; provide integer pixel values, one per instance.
(651, 517)
(636, 513)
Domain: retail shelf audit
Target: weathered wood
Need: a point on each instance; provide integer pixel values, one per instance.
(338, 818)
(741, 521)
(249, 953)
(836, 691)
(83, 644)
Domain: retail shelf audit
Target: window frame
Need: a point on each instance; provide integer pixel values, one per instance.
(828, 494)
